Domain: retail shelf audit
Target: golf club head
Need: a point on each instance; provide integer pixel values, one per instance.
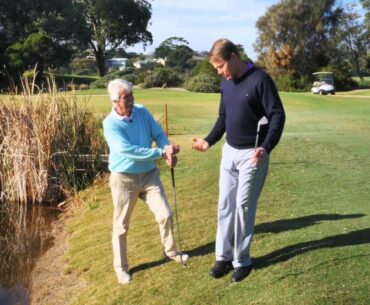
(262, 121)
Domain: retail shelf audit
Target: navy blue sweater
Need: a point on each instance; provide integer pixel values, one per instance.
(244, 101)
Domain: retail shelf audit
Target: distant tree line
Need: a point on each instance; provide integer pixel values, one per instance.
(47, 33)
(295, 39)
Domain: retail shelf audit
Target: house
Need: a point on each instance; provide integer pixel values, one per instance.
(120, 63)
(149, 63)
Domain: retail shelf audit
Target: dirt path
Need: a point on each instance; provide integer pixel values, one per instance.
(51, 284)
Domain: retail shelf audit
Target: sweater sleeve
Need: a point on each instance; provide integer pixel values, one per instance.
(219, 128)
(273, 106)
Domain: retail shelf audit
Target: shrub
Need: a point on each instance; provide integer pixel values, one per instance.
(62, 80)
(84, 87)
(203, 83)
(102, 82)
(204, 67)
(71, 87)
(288, 82)
(83, 66)
(163, 77)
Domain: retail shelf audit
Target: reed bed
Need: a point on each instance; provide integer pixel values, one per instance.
(42, 138)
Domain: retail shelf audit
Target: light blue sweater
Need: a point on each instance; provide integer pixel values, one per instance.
(130, 141)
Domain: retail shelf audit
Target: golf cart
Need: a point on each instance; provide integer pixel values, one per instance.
(323, 83)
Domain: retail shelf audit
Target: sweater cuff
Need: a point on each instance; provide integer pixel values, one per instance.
(267, 147)
(210, 143)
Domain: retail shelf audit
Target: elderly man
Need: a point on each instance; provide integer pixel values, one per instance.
(247, 95)
(130, 130)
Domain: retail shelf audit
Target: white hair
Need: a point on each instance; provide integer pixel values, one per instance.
(115, 86)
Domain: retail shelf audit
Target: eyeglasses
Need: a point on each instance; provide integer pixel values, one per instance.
(126, 97)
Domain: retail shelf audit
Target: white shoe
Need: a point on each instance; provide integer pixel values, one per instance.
(179, 257)
(123, 277)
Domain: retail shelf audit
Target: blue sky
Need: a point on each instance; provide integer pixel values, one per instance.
(201, 22)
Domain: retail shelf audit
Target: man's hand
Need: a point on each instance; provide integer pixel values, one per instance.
(258, 156)
(172, 149)
(171, 161)
(200, 144)
(169, 154)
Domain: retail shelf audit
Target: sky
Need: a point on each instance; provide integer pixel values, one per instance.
(201, 22)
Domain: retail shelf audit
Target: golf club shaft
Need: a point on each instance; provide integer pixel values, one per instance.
(176, 217)
(256, 144)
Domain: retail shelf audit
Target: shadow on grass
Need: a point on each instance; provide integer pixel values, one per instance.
(342, 240)
(199, 251)
(145, 266)
(282, 225)
(349, 239)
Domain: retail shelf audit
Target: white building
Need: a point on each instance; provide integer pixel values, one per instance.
(120, 63)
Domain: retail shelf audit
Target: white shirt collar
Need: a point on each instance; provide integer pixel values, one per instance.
(123, 117)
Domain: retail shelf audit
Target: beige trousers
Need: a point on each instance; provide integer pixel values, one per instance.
(126, 189)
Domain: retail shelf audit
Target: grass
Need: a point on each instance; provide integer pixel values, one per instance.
(312, 241)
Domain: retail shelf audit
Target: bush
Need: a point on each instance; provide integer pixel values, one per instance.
(102, 82)
(84, 87)
(64, 81)
(71, 87)
(203, 83)
(288, 82)
(83, 66)
(204, 67)
(163, 77)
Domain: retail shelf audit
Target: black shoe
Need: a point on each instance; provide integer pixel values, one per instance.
(241, 273)
(221, 268)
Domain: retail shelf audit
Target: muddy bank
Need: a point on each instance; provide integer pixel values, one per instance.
(50, 283)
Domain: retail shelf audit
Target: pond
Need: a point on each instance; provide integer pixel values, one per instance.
(25, 234)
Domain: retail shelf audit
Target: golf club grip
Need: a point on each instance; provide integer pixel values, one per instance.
(173, 176)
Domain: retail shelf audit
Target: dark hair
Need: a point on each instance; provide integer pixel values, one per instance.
(223, 48)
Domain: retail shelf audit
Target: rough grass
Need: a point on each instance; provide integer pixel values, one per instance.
(312, 241)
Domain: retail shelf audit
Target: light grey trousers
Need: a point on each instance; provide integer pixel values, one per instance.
(240, 187)
(126, 189)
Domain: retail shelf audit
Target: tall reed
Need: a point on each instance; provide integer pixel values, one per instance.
(42, 136)
(42, 139)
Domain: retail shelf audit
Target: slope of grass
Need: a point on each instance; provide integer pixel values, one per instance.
(312, 241)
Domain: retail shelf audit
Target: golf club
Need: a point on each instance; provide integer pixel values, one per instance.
(176, 218)
(262, 121)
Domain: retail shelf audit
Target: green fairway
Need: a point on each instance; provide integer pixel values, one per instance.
(312, 239)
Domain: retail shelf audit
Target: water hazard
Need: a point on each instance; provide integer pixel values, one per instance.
(25, 234)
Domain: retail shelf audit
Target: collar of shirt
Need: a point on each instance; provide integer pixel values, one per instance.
(249, 68)
(123, 117)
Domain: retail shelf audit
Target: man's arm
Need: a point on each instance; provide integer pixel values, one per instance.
(219, 128)
(274, 109)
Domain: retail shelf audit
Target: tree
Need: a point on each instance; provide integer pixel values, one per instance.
(69, 26)
(366, 6)
(293, 36)
(36, 33)
(242, 53)
(176, 50)
(351, 39)
(112, 24)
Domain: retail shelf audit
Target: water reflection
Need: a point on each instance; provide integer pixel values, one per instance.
(17, 295)
(25, 233)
